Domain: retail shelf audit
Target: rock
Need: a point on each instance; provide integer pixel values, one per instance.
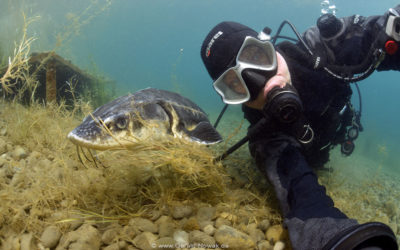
(2, 161)
(264, 245)
(279, 245)
(144, 225)
(3, 146)
(19, 153)
(85, 237)
(197, 237)
(232, 238)
(27, 241)
(221, 222)
(155, 215)
(166, 229)
(44, 163)
(255, 234)
(33, 158)
(206, 214)
(181, 238)
(50, 236)
(20, 242)
(128, 233)
(191, 224)
(76, 221)
(209, 229)
(109, 235)
(229, 216)
(180, 212)
(275, 233)
(163, 219)
(19, 180)
(9, 147)
(35, 154)
(10, 243)
(145, 240)
(205, 223)
(114, 246)
(3, 131)
(264, 225)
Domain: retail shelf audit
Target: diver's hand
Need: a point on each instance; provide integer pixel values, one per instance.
(281, 78)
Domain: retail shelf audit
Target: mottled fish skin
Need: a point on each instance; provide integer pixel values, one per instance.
(166, 112)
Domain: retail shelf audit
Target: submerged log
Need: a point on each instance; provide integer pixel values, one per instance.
(58, 79)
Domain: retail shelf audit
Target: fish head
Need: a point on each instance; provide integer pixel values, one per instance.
(119, 126)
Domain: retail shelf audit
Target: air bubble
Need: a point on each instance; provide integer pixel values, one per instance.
(327, 6)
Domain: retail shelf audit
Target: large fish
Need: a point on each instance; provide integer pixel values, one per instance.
(146, 114)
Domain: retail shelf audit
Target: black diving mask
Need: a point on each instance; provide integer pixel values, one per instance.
(256, 62)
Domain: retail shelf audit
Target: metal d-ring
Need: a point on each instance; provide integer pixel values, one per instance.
(308, 128)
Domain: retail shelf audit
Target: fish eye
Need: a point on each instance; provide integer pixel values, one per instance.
(121, 123)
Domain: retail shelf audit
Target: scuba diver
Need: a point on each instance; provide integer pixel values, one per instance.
(296, 97)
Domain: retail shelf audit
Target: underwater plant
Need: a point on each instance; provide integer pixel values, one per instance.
(18, 64)
(50, 185)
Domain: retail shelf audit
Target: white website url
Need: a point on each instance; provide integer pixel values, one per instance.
(192, 245)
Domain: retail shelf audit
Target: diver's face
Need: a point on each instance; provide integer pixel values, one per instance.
(281, 78)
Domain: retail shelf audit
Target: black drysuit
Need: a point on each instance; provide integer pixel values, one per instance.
(310, 216)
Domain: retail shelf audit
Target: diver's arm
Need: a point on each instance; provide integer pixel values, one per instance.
(385, 22)
(352, 44)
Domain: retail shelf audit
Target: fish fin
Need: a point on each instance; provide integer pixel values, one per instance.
(205, 133)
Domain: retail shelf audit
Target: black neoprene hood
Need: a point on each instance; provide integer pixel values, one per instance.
(221, 45)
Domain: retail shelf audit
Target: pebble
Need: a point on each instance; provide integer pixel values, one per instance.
(3, 131)
(255, 233)
(163, 219)
(27, 241)
(180, 212)
(155, 215)
(128, 232)
(264, 245)
(209, 229)
(50, 236)
(222, 222)
(206, 214)
(114, 246)
(144, 225)
(44, 163)
(166, 229)
(279, 245)
(19, 153)
(19, 180)
(3, 146)
(275, 233)
(181, 237)
(191, 224)
(233, 238)
(205, 223)
(145, 240)
(264, 225)
(85, 237)
(2, 161)
(76, 221)
(198, 237)
(109, 235)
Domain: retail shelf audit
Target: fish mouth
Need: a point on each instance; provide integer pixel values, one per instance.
(96, 144)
